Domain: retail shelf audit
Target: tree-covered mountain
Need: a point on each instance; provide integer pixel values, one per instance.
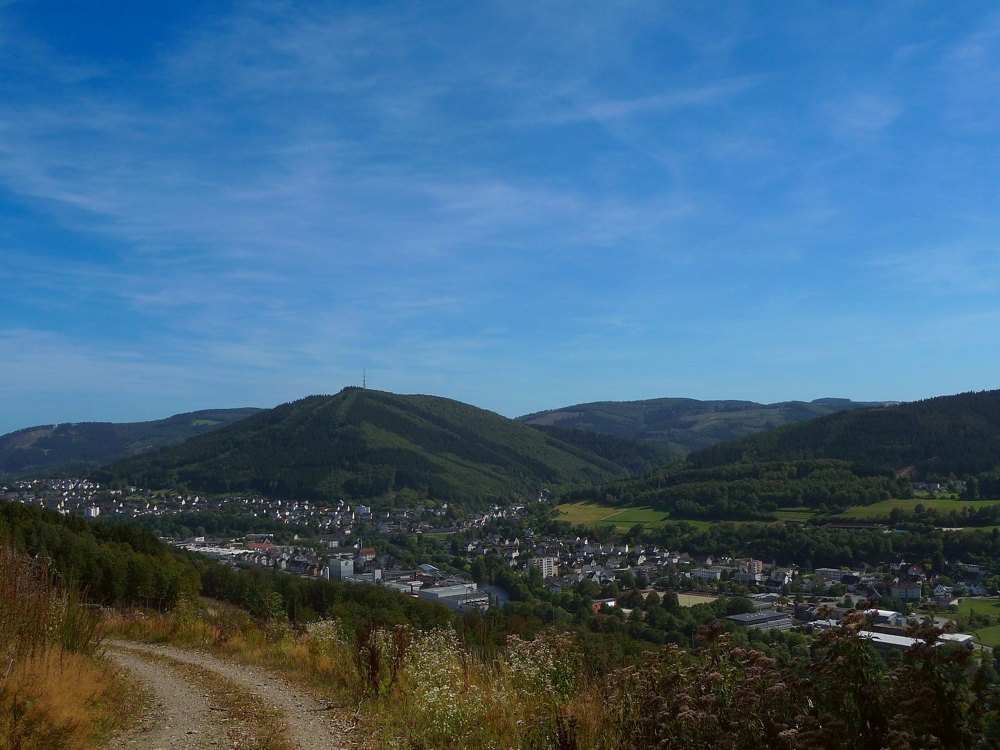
(686, 424)
(939, 436)
(368, 444)
(72, 447)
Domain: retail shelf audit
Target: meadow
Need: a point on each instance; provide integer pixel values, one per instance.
(988, 636)
(980, 606)
(588, 513)
(884, 508)
(595, 514)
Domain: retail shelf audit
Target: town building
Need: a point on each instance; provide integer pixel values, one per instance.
(905, 591)
(548, 565)
(763, 621)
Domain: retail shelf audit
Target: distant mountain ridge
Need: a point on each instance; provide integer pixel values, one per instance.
(686, 424)
(80, 445)
(368, 444)
(957, 434)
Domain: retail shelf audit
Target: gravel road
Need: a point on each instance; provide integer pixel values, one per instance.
(313, 726)
(180, 714)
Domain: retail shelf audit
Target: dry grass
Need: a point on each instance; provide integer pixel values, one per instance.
(55, 690)
(531, 696)
(57, 699)
(229, 631)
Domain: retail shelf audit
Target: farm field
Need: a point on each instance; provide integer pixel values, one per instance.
(596, 514)
(795, 514)
(593, 514)
(886, 507)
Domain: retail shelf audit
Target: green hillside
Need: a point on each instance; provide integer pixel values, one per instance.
(756, 491)
(950, 434)
(72, 447)
(686, 424)
(114, 565)
(367, 444)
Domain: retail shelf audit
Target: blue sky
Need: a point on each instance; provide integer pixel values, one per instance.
(519, 205)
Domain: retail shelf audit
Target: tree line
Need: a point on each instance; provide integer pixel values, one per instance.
(751, 491)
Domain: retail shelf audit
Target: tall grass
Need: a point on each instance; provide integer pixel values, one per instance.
(55, 689)
(425, 689)
(411, 689)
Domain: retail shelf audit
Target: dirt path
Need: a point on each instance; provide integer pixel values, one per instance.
(312, 725)
(180, 715)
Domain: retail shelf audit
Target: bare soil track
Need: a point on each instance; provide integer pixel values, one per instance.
(184, 717)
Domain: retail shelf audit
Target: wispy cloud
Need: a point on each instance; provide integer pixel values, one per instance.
(283, 193)
(968, 267)
(864, 115)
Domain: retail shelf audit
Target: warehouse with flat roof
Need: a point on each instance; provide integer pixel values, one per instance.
(763, 621)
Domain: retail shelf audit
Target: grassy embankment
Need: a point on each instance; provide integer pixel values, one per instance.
(56, 690)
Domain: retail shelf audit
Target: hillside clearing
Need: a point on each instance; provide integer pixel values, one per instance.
(884, 508)
(594, 514)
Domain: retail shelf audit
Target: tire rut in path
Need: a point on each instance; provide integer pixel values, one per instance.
(180, 716)
(312, 724)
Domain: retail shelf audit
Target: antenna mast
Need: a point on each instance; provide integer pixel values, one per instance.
(364, 380)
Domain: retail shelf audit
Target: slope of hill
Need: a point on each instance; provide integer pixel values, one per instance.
(750, 491)
(687, 424)
(367, 444)
(949, 434)
(84, 444)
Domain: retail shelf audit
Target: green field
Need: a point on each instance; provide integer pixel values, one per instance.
(982, 606)
(988, 636)
(886, 507)
(594, 514)
(801, 515)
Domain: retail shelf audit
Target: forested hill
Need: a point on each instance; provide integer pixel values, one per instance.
(686, 424)
(368, 444)
(950, 434)
(72, 447)
(114, 565)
